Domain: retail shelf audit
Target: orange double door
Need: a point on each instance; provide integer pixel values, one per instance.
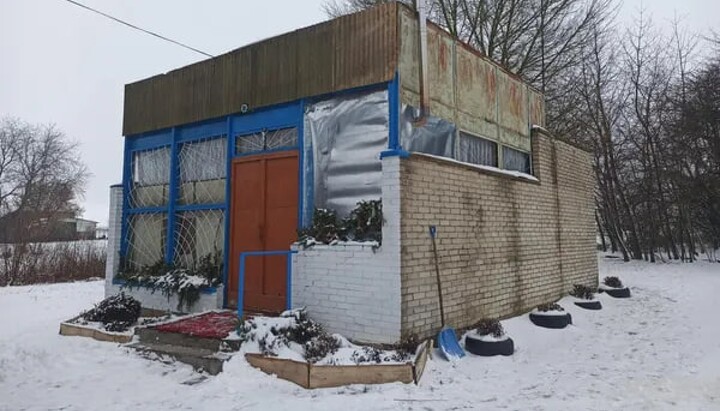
(263, 217)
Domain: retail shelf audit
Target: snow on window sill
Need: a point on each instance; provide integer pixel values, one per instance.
(205, 290)
(495, 170)
(374, 245)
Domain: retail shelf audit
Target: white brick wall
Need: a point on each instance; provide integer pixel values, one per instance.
(157, 301)
(114, 232)
(352, 289)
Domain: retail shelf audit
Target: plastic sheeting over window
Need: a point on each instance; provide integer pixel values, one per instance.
(344, 137)
(436, 136)
(477, 150)
(516, 160)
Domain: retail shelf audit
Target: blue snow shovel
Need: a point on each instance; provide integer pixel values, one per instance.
(446, 338)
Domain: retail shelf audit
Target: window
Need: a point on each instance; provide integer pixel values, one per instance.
(151, 167)
(199, 235)
(516, 160)
(150, 178)
(147, 234)
(202, 171)
(267, 140)
(477, 150)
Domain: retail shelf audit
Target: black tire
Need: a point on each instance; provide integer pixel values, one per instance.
(489, 348)
(551, 321)
(589, 305)
(618, 292)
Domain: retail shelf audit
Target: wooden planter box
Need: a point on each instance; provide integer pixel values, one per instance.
(324, 376)
(67, 328)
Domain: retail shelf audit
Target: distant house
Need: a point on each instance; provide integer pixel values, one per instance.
(80, 228)
(25, 226)
(232, 155)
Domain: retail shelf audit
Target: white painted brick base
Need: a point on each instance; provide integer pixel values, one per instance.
(157, 301)
(352, 289)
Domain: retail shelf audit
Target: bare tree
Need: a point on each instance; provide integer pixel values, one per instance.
(41, 177)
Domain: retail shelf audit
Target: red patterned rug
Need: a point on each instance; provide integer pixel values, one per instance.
(209, 325)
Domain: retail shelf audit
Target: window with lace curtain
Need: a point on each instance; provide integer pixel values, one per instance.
(477, 150)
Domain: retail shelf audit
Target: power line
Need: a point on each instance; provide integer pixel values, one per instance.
(117, 20)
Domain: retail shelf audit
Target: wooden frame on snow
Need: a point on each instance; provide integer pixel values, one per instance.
(68, 328)
(323, 376)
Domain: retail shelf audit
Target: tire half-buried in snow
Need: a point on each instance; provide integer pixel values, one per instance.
(589, 304)
(617, 292)
(485, 347)
(555, 321)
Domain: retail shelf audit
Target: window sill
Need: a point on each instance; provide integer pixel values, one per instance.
(206, 290)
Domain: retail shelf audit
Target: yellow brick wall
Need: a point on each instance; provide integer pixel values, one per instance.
(505, 244)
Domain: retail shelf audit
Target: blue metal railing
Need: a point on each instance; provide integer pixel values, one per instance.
(288, 276)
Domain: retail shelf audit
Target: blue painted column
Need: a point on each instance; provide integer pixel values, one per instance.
(394, 145)
(127, 186)
(228, 192)
(172, 197)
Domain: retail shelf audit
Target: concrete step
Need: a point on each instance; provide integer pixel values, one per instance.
(202, 359)
(152, 336)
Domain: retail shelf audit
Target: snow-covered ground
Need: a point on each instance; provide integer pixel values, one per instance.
(657, 350)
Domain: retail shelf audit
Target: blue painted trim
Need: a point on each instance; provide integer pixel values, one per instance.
(147, 210)
(349, 91)
(241, 276)
(301, 166)
(261, 152)
(201, 131)
(394, 115)
(200, 207)
(127, 180)
(271, 118)
(394, 153)
(172, 198)
(150, 141)
(228, 172)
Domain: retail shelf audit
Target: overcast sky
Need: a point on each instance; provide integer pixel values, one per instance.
(64, 65)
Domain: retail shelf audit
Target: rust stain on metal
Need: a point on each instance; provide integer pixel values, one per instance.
(443, 55)
(515, 100)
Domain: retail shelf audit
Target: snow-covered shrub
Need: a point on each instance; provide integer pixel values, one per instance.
(320, 347)
(550, 307)
(363, 224)
(408, 345)
(325, 228)
(583, 292)
(292, 327)
(490, 326)
(613, 282)
(117, 312)
(367, 354)
(186, 283)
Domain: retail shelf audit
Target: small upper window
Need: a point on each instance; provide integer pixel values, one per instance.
(266, 140)
(477, 150)
(516, 160)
